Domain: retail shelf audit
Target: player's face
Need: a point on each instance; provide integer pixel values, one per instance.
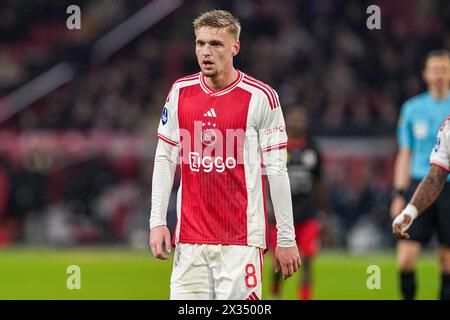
(215, 49)
(296, 121)
(437, 72)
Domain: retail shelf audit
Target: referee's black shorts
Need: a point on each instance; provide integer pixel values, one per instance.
(435, 219)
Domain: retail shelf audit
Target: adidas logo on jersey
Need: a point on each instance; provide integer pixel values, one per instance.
(211, 113)
(253, 296)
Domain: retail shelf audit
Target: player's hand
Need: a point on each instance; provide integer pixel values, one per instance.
(159, 239)
(403, 221)
(288, 260)
(398, 204)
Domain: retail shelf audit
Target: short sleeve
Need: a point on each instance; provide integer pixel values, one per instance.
(272, 128)
(440, 156)
(404, 133)
(168, 129)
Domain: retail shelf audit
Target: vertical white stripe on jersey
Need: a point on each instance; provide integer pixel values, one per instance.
(261, 118)
(256, 220)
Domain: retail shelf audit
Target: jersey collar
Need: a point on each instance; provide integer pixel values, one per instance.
(222, 91)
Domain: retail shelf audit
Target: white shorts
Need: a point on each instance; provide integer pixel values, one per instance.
(220, 272)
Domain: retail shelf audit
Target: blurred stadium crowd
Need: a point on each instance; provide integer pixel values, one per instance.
(317, 53)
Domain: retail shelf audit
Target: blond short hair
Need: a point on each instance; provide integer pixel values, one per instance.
(218, 19)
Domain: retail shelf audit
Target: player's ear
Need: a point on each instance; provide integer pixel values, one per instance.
(236, 48)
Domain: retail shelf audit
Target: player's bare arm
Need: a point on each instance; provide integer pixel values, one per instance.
(424, 196)
(429, 188)
(320, 194)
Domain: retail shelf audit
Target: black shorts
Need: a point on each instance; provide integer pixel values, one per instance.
(435, 219)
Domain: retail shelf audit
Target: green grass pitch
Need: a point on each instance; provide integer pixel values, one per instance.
(128, 274)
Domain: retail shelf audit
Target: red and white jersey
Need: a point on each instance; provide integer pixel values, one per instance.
(222, 135)
(440, 156)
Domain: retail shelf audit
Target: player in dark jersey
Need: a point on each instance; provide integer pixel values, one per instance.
(308, 197)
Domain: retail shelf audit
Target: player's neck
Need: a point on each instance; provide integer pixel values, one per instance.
(222, 80)
(439, 93)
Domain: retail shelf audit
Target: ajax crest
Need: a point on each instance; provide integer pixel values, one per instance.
(208, 136)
